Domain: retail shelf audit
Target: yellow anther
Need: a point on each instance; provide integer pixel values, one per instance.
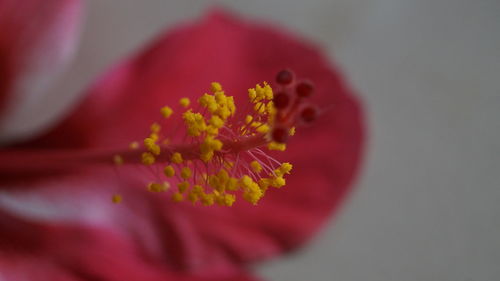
(215, 183)
(264, 184)
(169, 171)
(183, 186)
(197, 189)
(261, 91)
(207, 199)
(253, 194)
(260, 108)
(278, 182)
(292, 131)
(216, 122)
(185, 102)
(193, 197)
(215, 87)
(155, 127)
(271, 110)
(252, 94)
(248, 119)
(268, 91)
(118, 159)
(246, 181)
(256, 167)
(209, 102)
(264, 128)
(276, 146)
(208, 146)
(195, 123)
(117, 198)
(158, 187)
(166, 111)
(223, 112)
(285, 168)
(176, 158)
(151, 146)
(133, 145)
(223, 176)
(230, 105)
(220, 98)
(228, 200)
(177, 197)
(207, 156)
(186, 173)
(212, 131)
(153, 136)
(148, 158)
(232, 184)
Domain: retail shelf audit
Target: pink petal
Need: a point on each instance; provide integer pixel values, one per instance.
(121, 106)
(37, 37)
(30, 250)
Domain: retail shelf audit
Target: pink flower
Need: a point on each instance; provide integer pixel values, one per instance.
(59, 224)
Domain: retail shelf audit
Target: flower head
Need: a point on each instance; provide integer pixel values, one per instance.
(55, 210)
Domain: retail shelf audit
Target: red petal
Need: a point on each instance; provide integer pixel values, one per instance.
(122, 105)
(31, 250)
(36, 39)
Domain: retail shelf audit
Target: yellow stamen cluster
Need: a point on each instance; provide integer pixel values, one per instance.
(261, 120)
(213, 165)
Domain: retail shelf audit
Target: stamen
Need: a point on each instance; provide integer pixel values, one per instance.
(214, 155)
(220, 154)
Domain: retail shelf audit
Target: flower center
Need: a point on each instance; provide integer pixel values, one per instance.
(222, 152)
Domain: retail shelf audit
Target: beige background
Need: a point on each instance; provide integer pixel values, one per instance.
(427, 206)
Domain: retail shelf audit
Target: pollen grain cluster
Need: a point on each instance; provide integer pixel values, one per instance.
(211, 152)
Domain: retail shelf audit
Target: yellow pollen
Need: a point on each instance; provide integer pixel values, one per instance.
(256, 167)
(184, 102)
(183, 186)
(186, 173)
(148, 158)
(158, 187)
(195, 123)
(169, 171)
(276, 146)
(216, 122)
(207, 199)
(263, 128)
(278, 182)
(176, 158)
(177, 197)
(292, 131)
(166, 111)
(151, 146)
(216, 87)
(248, 119)
(285, 168)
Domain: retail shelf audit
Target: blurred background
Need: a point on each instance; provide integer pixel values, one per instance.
(427, 202)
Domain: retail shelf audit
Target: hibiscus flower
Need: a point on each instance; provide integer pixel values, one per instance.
(56, 218)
